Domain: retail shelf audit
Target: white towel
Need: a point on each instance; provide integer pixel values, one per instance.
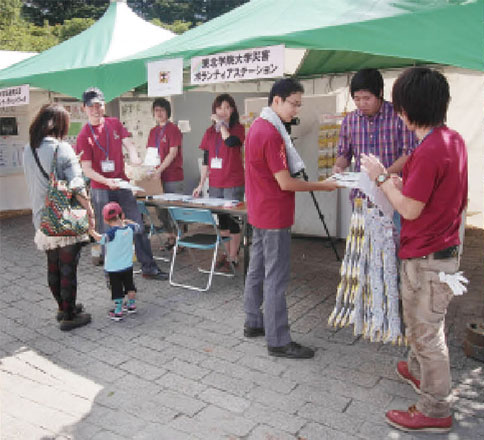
(294, 161)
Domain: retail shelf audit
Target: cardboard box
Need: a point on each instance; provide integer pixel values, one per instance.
(151, 187)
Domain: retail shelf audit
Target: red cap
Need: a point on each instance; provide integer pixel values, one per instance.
(111, 210)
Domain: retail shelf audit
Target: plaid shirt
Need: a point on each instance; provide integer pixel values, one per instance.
(384, 135)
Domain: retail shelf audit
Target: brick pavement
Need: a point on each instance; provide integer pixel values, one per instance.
(181, 369)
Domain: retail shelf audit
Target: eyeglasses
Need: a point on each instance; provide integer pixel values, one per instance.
(294, 104)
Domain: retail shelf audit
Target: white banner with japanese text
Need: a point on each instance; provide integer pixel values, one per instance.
(165, 77)
(256, 63)
(13, 96)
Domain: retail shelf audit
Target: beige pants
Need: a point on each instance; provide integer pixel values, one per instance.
(425, 300)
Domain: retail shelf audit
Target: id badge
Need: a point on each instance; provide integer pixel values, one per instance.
(107, 166)
(216, 163)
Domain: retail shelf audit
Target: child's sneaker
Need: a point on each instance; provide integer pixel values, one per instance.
(129, 308)
(115, 316)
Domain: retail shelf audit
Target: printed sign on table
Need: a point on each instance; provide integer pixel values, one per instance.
(13, 96)
(256, 63)
(165, 77)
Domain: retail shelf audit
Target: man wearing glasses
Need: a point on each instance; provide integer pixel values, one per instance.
(271, 205)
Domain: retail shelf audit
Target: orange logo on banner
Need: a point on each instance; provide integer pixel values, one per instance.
(164, 77)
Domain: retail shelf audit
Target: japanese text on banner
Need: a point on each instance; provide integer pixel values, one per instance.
(13, 96)
(256, 63)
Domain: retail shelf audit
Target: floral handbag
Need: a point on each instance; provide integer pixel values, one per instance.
(62, 214)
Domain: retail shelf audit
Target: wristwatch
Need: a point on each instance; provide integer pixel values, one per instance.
(383, 177)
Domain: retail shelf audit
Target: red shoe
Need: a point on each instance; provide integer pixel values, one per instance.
(402, 371)
(414, 420)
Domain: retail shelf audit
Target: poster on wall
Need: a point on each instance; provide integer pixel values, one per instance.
(165, 77)
(256, 63)
(77, 119)
(14, 96)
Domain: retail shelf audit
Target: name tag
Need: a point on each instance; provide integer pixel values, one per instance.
(216, 163)
(107, 166)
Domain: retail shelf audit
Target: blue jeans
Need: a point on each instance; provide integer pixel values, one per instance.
(127, 201)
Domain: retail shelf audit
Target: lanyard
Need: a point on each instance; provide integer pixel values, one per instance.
(425, 137)
(159, 137)
(105, 151)
(218, 143)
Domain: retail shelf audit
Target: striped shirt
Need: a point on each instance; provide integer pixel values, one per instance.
(383, 134)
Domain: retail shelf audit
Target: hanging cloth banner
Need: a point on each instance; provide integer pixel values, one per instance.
(165, 77)
(13, 96)
(257, 63)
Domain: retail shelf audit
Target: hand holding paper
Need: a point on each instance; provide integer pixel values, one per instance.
(372, 166)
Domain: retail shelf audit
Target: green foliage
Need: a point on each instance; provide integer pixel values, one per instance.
(36, 25)
(27, 37)
(178, 26)
(72, 27)
(10, 12)
(58, 11)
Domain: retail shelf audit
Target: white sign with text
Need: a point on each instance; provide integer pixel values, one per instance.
(255, 63)
(14, 96)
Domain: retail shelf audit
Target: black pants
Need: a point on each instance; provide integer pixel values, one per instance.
(121, 283)
(62, 276)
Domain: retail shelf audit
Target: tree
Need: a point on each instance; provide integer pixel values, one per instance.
(177, 27)
(36, 25)
(58, 11)
(70, 28)
(10, 12)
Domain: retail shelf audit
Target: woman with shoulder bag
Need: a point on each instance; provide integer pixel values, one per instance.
(47, 154)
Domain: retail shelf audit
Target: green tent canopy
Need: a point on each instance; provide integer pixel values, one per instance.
(76, 64)
(336, 35)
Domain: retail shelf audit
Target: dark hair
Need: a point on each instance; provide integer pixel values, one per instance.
(163, 103)
(91, 95)
(285, 87)
(367, 79)
(423, 94)
(52, 120)
(234, 117)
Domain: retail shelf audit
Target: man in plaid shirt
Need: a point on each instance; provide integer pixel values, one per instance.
(374, 127)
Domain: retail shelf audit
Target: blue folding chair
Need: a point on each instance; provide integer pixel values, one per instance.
(153, 229)
(201, 241)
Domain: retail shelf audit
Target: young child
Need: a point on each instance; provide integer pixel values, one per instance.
(118, 262)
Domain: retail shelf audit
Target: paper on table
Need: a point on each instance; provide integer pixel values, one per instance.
(173, 197)
(213, 201)
(208, 201)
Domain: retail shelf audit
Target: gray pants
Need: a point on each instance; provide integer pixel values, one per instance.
(266, 282)
(127, 201)
(163, 215)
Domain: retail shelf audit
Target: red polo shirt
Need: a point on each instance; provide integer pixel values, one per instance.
(105, 141)
(232, 172)
(164, 138)
(268, 206)
(435, 174)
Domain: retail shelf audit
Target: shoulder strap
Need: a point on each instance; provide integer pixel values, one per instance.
(34, 152)
(54, 161)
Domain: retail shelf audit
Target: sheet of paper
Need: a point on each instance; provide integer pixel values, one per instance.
(124, 184)
(346, 179)
(173, 197)
(375, 194)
